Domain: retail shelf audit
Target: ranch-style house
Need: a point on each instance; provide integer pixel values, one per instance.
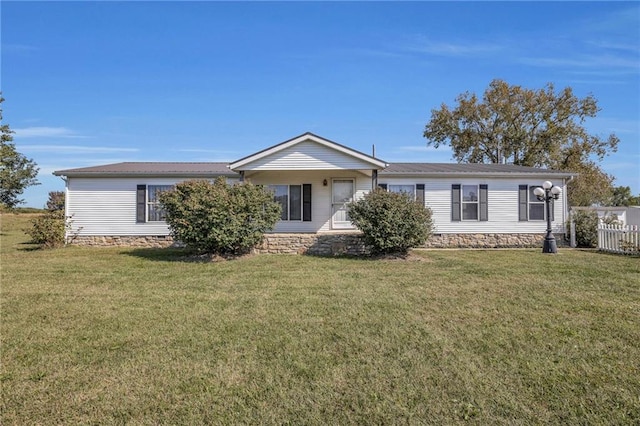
(473, 205)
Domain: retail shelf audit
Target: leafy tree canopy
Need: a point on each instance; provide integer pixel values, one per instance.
(16, 171)
(622, 197)
(55, 201)
(537, 128)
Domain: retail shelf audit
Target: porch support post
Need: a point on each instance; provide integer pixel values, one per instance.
(374, 179)
(241, 175)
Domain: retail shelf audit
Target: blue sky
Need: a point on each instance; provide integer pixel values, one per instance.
(90, 83)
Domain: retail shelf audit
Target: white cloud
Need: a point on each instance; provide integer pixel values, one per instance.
(75, 149)
(446, 48)
(621, 165)
(608, 45)
(606, 125)
(45, 132)
(207, 151)
(377, 53)
(585, 61)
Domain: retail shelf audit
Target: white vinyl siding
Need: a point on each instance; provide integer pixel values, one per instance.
(307, 155)
(107, 206)
(502, 200)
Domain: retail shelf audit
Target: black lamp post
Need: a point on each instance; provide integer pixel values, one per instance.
(547, 193)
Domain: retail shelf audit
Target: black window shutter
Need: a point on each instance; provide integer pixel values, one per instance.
(382, 186)
(484, 202)
(455, 202)
(523, 195)
(141, 203)
(420, 193)
(306, 202)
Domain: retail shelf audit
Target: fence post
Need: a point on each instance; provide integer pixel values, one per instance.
(572, 231)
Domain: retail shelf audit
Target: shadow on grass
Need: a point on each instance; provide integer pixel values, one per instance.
(173, 254)
(29, 246)
(169, 254)
(382, 257)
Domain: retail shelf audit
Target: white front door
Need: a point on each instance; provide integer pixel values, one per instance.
(342, 191)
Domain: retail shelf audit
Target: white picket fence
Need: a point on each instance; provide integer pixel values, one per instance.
(624, 239)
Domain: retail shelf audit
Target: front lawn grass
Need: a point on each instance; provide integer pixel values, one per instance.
(114, 336)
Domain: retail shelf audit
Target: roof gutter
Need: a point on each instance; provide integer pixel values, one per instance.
(476, 174)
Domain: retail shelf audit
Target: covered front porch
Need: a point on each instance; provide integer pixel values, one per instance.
(313, 179)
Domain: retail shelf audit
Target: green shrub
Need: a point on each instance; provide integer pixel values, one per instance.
(586, 228)
(218, 218)
(48, 230)
(391, 222)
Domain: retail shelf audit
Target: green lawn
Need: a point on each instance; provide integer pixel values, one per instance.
(113, 336)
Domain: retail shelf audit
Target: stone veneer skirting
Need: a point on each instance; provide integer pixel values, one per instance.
(331, 244)
(149, 241)
(489, 240)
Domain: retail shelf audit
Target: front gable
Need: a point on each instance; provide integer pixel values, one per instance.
(308, 152)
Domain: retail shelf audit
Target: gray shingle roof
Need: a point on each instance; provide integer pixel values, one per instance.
(151, 169)
(221, 169)
(462, 169)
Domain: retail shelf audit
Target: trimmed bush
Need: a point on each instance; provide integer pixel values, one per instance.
(391, 222)
(217, 218)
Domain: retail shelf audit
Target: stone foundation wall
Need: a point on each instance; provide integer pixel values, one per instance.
(489, 240)
(315, 244)
(331, 244)
(149, 241)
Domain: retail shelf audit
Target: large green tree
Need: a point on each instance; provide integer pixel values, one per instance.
(622, 197)
(16, 171)
(538, 128)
